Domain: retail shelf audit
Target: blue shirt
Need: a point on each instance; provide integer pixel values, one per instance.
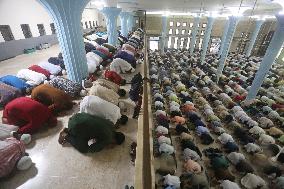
(198, 122)
(127, 57)
(201, 130)
(15, 82)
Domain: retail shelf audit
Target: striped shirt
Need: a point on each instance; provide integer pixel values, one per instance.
(11, 150)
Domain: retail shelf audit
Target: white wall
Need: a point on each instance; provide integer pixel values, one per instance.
(17, 12)
(90, 15)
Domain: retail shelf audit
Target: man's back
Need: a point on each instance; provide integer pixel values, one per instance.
(83, 127)
(95, 105)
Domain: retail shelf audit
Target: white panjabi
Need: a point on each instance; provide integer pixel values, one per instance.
(256, 130)
(251, 147)
(95, 105)
(173, 103)
(121, 66)
(252, 123)
(266, 139)
(166, 148)
(252, 181)
(235, 157)
(158, 95)
(190, 154)
(225, 138)
(160, 112)
(53, 69)
(172, 181)
(162, 130)
(164, 139)
(33, 78)
(159, 104)
(265, 123)
(226, 184)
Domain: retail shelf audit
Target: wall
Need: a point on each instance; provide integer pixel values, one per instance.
(154, 28)
(280, 58)
(15, 12)
(90, 14)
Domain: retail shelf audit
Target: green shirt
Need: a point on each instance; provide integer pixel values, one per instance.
(83, 127)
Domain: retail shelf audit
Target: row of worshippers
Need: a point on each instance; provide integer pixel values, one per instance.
(218, 161)
(264, 122)
(98, 56)
(106, 95)
(239, 73)
(268, 106)
(25, 116)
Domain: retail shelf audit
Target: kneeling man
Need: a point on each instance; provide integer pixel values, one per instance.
(56, 99)
(95, 105)
(28, 114)
(90, 133)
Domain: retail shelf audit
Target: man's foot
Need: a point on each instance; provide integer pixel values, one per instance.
(62, 136)
(16, 135)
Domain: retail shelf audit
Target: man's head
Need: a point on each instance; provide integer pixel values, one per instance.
(123, 120)
(119, 138)
(121, 92)
(122, 82)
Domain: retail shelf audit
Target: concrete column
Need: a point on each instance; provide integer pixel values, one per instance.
(67, 17)
(111, 14)
(166, 42)
(164, 33)
(185, 42)
(178, 43)
(269, 57)
(123, 20)
(130, 22)
(223, 37)
(233, 21)
(210, 21)
(193, 34)
(172, 42)
(254, 35)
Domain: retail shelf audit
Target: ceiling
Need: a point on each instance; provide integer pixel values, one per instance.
(248, 7)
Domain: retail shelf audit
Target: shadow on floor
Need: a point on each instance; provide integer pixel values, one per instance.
(22, 177)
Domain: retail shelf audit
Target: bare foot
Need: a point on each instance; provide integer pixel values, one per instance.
(62, 136)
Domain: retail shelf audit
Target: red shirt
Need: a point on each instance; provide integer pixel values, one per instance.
(239, 98)
(105, 51)
(28, 114)
(276, 106)
(113, 76)
(39, 69)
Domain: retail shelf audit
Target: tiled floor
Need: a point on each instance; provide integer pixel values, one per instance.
(57, 167)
